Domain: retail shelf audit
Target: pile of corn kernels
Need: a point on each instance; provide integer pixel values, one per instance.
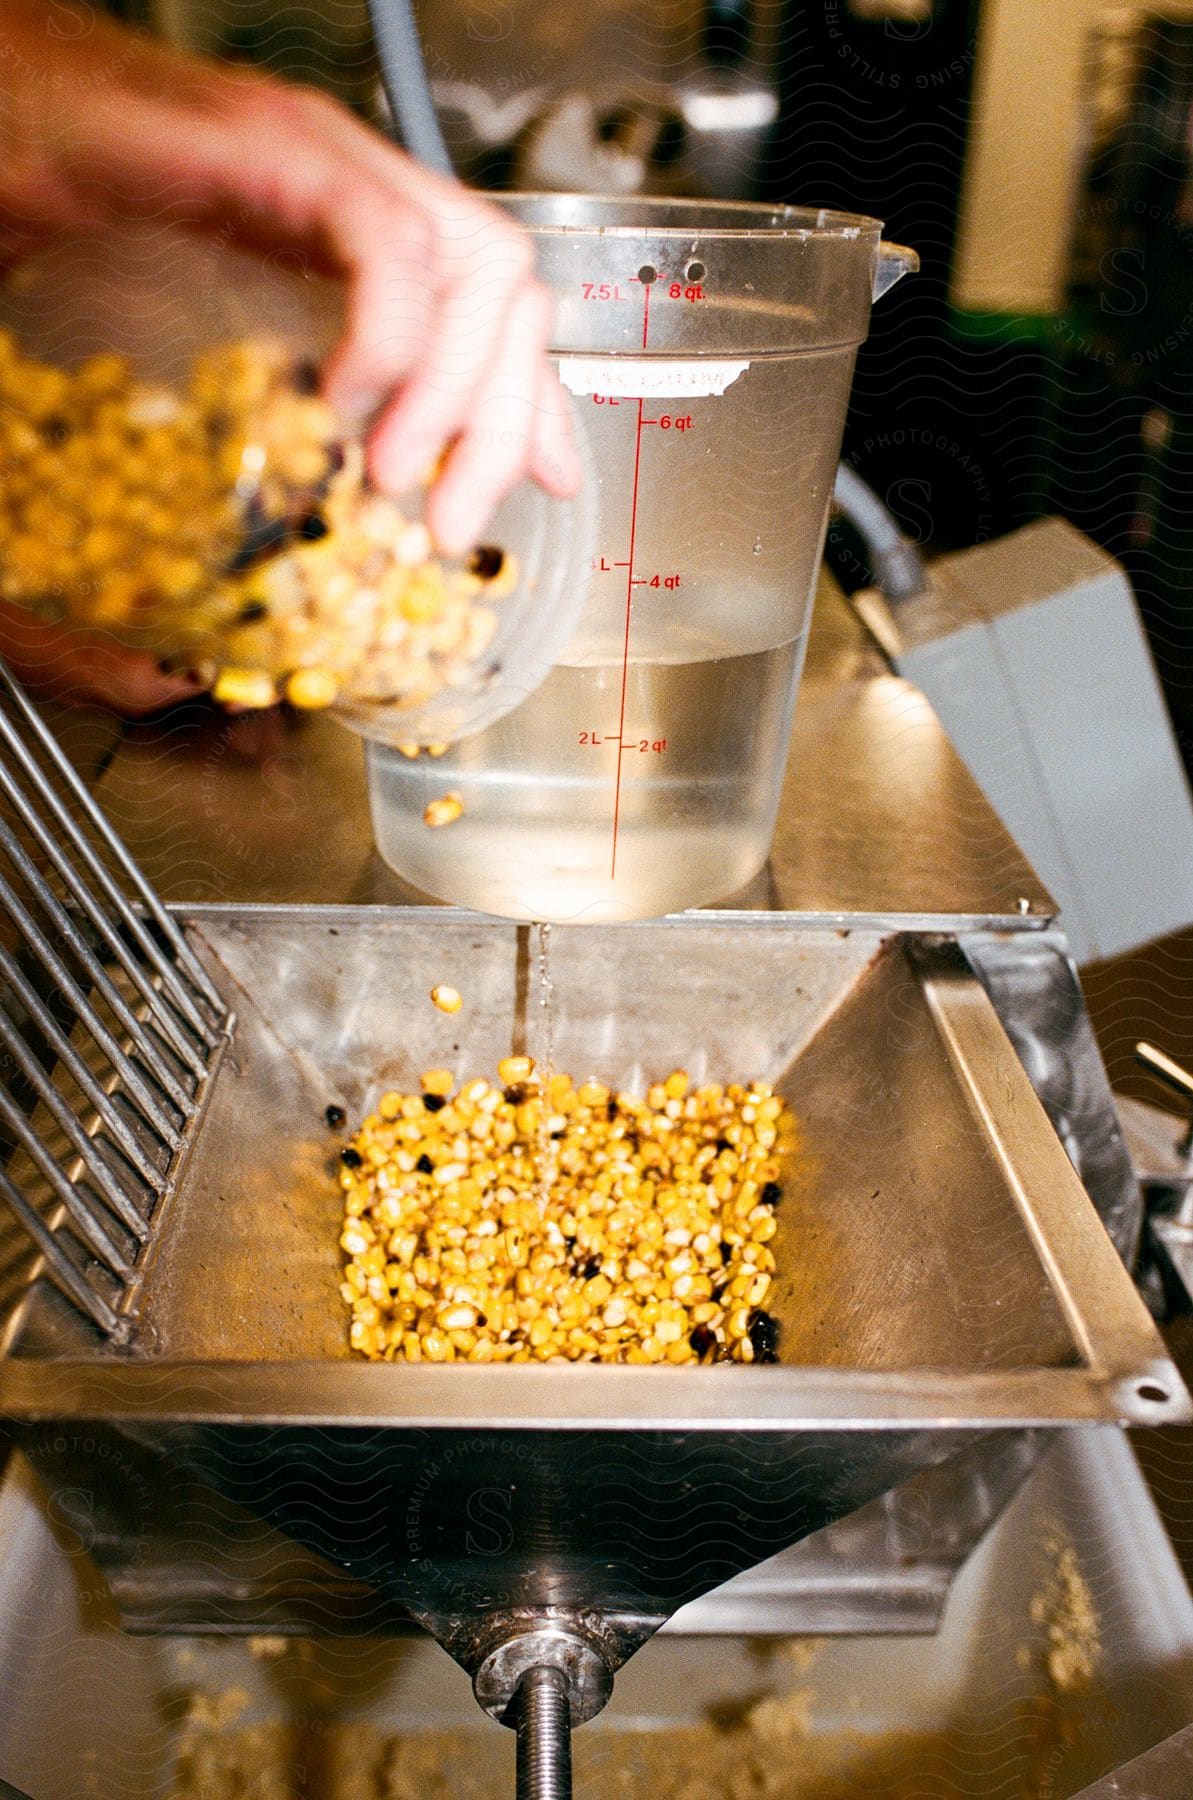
(536, 1220)
(229, 526)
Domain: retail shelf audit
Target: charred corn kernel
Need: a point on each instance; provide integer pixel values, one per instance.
(311, 689)
(244, 687)
(538, 1220)
(447, 999)
(443, 811)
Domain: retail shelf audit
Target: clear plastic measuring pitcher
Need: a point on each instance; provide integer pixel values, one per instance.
(709, 348)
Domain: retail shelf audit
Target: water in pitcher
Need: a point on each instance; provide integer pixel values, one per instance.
(561, 821)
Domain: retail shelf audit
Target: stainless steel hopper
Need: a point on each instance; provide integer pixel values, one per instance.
(947, 1296)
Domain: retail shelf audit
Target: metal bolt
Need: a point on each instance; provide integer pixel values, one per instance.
(544, 1736)
(587, 1677)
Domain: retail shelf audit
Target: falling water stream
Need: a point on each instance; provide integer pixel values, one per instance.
(542, 1048)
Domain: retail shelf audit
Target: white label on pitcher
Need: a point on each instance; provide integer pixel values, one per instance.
(647, 377)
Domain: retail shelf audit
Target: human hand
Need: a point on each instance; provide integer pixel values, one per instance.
(87, 668)
(446, 326)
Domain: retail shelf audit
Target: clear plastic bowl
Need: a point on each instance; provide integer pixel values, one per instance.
(158, 297)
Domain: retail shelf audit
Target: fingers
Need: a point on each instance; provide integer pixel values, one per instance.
(391, 323)
(129, 682)
(554, 461)
(446, 329)
(485, 300)
(444, 315)
(86, 668)
(494, 448)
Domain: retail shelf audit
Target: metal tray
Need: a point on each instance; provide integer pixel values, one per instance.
(945, 1287)
(938, 1258)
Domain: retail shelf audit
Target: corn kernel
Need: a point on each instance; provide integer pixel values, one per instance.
(447, 999)
(444, 811)
(470, 1239)
(244, 687)
(311, 689)
(456, 1318)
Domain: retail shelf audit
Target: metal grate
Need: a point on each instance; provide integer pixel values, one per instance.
(110, 1028)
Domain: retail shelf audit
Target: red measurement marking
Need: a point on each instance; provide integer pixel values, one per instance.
(601, 290)
(629, 598)
(625, 649)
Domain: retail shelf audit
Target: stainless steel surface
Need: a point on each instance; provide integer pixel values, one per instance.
(908, 1094)
(562, 1644)
(110, 1025)
(944, 1285)
(878, 816)
(971, 1711)
(1165, 1773)
(204, 1566)
(544, 1737)
(1033, 986)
